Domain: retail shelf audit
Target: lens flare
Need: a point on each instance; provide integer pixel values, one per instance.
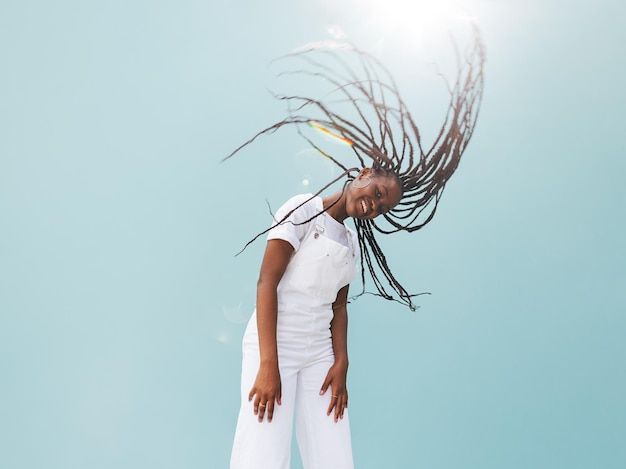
(331, 134)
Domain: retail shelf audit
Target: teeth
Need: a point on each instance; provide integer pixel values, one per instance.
(363, 206)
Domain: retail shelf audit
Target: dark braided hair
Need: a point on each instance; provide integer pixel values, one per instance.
(366, 110)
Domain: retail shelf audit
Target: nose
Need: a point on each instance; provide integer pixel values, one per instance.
(381, 208)
(377, 207)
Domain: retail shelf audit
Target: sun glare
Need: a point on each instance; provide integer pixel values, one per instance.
(415, 21)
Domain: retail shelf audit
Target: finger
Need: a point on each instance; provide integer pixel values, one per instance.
(341, 406)
(333, 404)
(251, 394)
(270, 410)
(344, 404)
(338, 407)
(280, 393)
(255, 406)
(325, 386)
(261, 410)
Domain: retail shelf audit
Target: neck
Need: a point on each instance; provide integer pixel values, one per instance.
(338, 210)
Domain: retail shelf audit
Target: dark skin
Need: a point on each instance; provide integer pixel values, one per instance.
(368, 196)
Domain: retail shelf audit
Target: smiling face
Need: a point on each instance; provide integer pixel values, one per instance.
(367, 200)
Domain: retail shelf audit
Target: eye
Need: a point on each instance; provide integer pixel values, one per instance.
(378, 193)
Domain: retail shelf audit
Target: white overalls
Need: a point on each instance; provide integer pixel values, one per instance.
(316, 272)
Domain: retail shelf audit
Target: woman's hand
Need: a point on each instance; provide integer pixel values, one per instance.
(336, 376)
(267, 384)
(266, 391)
(336, 379)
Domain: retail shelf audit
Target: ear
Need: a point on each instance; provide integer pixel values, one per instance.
(365, 172)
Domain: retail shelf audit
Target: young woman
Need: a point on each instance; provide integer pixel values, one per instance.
(295, 356)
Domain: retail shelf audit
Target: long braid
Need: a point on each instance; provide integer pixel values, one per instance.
(365, 107)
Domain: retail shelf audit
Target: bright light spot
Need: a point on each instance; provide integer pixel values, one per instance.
(416, 22)
(336, 32)
(235, 314)
(311, 168)
(394, 13)
(223, 338)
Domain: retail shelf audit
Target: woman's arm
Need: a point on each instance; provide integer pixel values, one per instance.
(337, 374)
(267, 388)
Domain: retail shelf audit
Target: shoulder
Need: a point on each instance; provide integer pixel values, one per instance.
(292, 220)
(304, 202)
(301, 206)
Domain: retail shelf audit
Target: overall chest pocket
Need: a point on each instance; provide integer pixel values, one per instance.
(319, 269)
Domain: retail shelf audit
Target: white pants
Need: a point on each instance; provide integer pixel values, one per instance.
(303, 365)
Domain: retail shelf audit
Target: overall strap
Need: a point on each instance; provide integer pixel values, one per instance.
(316, 227)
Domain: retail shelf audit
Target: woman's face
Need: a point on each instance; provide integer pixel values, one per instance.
(367, 200)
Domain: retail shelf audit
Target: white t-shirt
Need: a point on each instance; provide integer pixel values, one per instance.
(293, 230)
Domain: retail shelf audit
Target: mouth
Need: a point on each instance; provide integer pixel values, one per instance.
(363, 206)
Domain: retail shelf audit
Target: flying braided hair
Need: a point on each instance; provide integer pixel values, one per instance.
(365, 108)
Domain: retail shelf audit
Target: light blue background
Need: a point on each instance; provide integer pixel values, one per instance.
(122, 306)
